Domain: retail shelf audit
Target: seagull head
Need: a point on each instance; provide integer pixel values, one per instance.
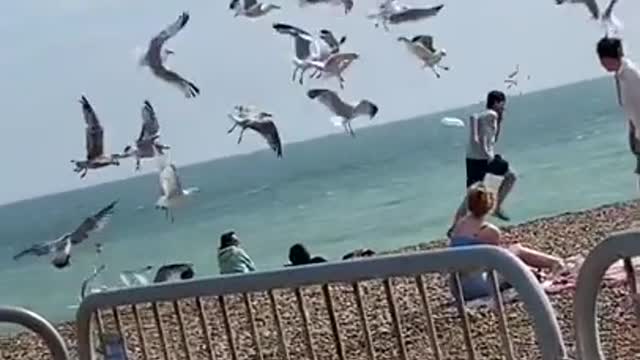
(443, 52)
(62, 261)
(403, 39)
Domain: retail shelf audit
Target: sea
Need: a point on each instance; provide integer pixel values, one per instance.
(392, 186)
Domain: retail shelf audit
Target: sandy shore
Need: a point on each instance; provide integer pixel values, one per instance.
(563, 235)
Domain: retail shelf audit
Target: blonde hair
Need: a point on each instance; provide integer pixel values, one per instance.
(480, 200)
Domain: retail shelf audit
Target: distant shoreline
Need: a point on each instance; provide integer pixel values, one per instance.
(564, 234)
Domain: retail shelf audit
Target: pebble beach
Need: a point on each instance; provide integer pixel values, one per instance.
(563, 235)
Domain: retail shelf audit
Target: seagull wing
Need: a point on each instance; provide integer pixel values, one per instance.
(269, 131)
(303, 41)
(169, 181)
(41, 249)
(414, 14)
(331, 100)
(248, 4)
(89, 279)
(92, 224)
(366, 107)
(348, 5)
(424, 40)
(592, 5)
(150, 124)
(234, 4)
(94, 131)
(155, 46)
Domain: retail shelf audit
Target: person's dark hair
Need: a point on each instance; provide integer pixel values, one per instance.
(187, 274)
(227, 239)
(494, 97)
(299, 255)
(610, 47)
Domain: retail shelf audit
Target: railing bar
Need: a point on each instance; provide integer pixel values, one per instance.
(227, 325)
(252, 323)
(305, 322)
(431, 328)
(143, 341)
(185, 338)
(163, 338)
(207, 334)
(502, 323)
(460, 304)
(335, 327)
(395, 317)
(276, 315)
(123, 336)
(365, 321)
(633, 289)
(100, 323)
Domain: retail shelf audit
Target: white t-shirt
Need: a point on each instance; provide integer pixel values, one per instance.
(628, 77)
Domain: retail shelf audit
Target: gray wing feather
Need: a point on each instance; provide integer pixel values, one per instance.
(170, 31)
(249, 3)
(269, 132)
(592, 5)
(424, 40)
(150, 124)
(94, 132)
(92, 224)
(414, 14)
(329, 99)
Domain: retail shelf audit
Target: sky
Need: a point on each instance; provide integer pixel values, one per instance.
(57, 51)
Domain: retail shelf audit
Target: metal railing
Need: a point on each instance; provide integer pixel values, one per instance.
(152, 322)
(37, 324)
(621, 245)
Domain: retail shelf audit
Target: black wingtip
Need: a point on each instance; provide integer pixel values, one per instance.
(313, 93)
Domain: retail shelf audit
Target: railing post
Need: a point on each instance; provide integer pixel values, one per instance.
(39, 325)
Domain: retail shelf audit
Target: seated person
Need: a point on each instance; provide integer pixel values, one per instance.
(231, 257)
(359, 253)
(474, 229)
(299, 255)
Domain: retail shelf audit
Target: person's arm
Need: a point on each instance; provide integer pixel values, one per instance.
(632, 137)
(474, 128)
(246, 260)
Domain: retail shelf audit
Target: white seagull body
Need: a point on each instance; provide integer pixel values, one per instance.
(344, 112)
(251, 8)
(146, 146)
(94, 136)
(61, 247)
(422, 47)
(309, 48)
(335, 65)
(592, 5)
(155, 57)
(172, 192)
(393, 12)
(348, 4)
(261, 123)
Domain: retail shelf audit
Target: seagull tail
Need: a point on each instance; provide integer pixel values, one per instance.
(337, 121)
(191, 191)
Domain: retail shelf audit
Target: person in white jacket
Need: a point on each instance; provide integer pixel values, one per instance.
(231, 257)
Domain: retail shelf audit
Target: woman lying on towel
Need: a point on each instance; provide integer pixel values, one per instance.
(474, 229)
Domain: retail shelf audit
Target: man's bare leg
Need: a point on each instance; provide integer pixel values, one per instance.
(505, 188)
(535, 258)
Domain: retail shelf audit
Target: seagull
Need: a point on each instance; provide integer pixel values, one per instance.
(308, 47)
(609, 21)
(344, 112)
(592, 5)
(135, 277)
(86, 282)
(393, 12)
(61, 247)
(335, 65)
(182, 271)
(94, 143)
(251, 8)
(348, 4)
(260, 123)
(514, 73)
(422, 47)
(154, 58)
(172, 192)
(511, 83)
(146, 146)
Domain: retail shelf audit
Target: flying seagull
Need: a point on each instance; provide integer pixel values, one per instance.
(335, 65)
(511, 83)
(260, 123)
(182, 271)
(344, 112)
(309, 48)
(136, 277)
(61, 247)
(251, 8)
(393, 12)
(592, 5)
(348, 4)
(146, 146)
(422, 47)
(514, 73)
(154, 58)
(172, 193)
(609, 21)
(86, 282)
(94, 143)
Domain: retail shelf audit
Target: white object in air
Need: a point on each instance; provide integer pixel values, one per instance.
(450, 121)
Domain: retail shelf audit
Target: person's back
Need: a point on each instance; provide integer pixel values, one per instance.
(231, 257)
(482, 135)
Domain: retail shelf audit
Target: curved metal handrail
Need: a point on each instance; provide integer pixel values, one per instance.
(39, 325)
(450, 260)
(617, 246)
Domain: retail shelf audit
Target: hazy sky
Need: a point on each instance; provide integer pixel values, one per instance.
(54, 51)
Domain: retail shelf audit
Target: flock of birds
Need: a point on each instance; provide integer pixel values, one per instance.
(320, 53)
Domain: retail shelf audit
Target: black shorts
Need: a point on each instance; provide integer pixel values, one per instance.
(478, 168)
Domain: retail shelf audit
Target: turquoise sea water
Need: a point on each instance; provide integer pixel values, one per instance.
(394, 185)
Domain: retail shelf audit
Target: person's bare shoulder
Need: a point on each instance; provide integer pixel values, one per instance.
(490, 234)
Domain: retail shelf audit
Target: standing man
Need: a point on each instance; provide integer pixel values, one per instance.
(484, 130)
(627, 78)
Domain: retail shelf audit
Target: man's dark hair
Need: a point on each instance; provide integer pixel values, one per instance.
(495, 96)
(610, 47)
